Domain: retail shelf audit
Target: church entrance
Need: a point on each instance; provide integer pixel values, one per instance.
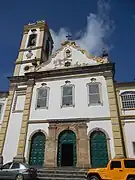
(66, 149)
(37, 149)
(98, 149)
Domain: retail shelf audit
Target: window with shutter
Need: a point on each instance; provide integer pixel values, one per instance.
(67, 95)
(94, 96)
(42, 97)
(128, 99)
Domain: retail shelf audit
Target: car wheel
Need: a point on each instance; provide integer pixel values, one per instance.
(19, 177)
(131, 178)
(93, 178)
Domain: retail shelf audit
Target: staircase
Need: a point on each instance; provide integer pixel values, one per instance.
(61, 174)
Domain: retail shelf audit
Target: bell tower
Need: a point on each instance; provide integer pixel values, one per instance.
(36, 47)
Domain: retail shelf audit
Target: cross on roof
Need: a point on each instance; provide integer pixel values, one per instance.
(69, 37)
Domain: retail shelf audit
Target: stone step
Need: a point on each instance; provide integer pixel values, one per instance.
(55, 178)
(61, 173)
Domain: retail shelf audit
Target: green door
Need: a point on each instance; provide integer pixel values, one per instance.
(66, 149)
(98, 149)
(37, 150)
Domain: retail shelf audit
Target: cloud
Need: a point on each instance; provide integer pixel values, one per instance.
(96, 33)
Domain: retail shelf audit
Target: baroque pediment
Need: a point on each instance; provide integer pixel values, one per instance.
(70, 55)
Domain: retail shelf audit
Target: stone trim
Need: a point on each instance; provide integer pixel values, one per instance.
(41, 25)
(75, 120)
(24, 125)
(6, 118)
(124, 85)
(31, 48)
(80, 130)
(64, 72)
(107, 138)
(116, 126)
(18, 93)
(29, 142)
(4, 94)
(125, 117)
(124, 138)
(126, 121)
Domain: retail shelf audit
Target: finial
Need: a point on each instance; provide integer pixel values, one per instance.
(104, 53)
(69, 37)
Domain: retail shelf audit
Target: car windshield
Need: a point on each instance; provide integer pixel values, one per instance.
(129, 163)
(26, 165)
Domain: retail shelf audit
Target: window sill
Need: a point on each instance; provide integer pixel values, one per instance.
(41, 108)
(17, 111)
(128, 109)
(64, 106)
(92, 105)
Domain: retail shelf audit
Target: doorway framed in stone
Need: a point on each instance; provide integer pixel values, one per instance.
(66, 154)
(37, 149)
(98, 149)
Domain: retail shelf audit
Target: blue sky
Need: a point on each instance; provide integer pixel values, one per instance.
(72, 16)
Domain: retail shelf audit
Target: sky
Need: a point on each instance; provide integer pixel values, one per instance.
(93, 24)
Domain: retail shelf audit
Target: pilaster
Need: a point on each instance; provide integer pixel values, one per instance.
(20, 55)
(51, 148)
(116, 125)
(24, 125)
(82, 152)
(6, 118)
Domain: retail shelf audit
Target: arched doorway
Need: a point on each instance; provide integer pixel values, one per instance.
(98, 149)
(37, 149)
(66, 148)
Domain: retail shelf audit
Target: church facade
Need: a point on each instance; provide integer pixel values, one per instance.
(64, 108)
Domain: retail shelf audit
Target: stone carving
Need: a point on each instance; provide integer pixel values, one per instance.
(68, 53)
(29, 55)
(58, 62)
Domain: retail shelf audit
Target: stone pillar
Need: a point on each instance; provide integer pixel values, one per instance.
(115, 119)
(21, 53)
(51, 148)
(6, 118)
(82, 150)
(24, 125)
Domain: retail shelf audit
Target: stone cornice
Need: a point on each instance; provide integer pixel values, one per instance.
(31, 48)
(4, 94)
(102, 68)
(125, 117)
(40, 25)
(28, 61)
(124, 84)
(75, 120)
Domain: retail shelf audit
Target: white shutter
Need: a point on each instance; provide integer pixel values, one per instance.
(42, 97)
(94, 93)
(67, 96)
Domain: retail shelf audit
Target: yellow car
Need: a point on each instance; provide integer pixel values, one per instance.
(117, 169)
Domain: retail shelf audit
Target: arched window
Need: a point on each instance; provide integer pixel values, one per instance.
(32, 40)
(128, 99)
(42, 97)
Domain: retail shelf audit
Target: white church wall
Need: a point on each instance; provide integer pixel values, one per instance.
(129, 131)
(32, 128)
(12, 137)
(13, 133)
(106, 126)
(81, 109)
